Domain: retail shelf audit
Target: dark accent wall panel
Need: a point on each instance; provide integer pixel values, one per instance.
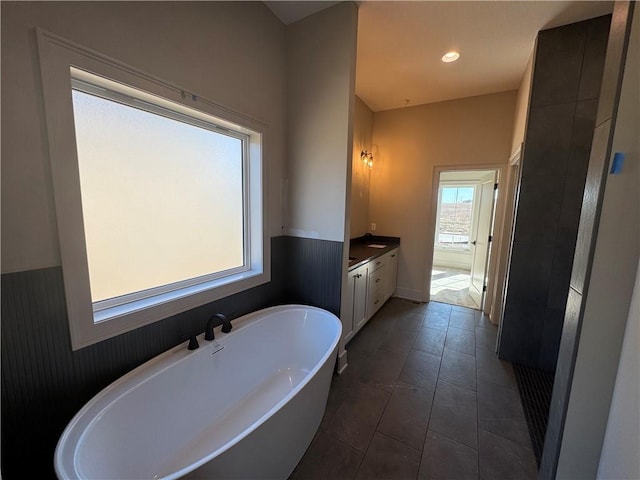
(314, 272)
(566, 82)
(44, 383)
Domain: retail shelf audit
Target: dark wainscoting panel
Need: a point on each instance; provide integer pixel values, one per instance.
(44, 383)
(314, 272)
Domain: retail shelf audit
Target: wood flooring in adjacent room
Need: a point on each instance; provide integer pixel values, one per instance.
(424, 397)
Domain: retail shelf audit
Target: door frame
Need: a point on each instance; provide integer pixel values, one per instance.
(511, 194)
(431, 226)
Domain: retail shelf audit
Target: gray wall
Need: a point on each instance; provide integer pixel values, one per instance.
(233, 53)
(44, 382)
(409, 143)
(567, 74)
(619, 456)
(321, 62)
(360, 173)
(605, 265)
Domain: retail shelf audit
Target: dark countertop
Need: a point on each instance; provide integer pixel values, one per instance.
(360, 252)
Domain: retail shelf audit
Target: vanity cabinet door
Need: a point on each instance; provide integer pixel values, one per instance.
(348, 319)
(391, 274)
(356, 307)
(360, 297)
(376, 287)
(369, 287)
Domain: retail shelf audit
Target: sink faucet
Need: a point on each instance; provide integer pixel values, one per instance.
(214, 321)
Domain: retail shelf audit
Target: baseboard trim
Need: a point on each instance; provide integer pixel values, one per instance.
(409, 294)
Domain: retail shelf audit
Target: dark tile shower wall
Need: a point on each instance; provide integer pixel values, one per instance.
(567, 76)
(44, 383)
(577, 464)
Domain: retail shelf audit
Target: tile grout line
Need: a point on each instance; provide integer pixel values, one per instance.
(433, 399)
(421, 451)
(380, 418)
(395, 386)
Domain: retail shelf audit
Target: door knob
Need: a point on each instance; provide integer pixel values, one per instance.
(474, 243)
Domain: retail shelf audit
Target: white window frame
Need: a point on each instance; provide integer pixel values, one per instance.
(456, 184)
(89, 323)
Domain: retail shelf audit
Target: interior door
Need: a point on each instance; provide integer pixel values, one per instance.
(481, 244)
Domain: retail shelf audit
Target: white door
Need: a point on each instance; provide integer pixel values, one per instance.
(481, 244)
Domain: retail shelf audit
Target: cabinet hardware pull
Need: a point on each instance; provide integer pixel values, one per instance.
(377, 280)
(378, 263)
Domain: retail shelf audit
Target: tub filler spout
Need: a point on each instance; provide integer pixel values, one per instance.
(213, 322)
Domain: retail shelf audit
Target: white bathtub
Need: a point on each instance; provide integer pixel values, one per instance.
(246, 405)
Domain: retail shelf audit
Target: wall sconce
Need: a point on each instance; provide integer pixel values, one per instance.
(367, 158)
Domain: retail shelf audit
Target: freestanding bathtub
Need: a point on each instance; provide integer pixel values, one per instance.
(245, 405)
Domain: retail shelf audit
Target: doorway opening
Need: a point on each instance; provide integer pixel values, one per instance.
(463, 234)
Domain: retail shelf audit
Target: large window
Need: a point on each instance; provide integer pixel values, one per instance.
(455, 216)
(159, 193)
(162, 195)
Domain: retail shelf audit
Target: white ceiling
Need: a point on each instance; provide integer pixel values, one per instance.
(400, 44)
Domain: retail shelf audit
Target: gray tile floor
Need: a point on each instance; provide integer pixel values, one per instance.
(424, 397)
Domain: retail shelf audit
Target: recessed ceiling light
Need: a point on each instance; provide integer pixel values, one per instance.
(451, 56)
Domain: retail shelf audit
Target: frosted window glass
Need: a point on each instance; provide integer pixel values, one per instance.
(162, 200)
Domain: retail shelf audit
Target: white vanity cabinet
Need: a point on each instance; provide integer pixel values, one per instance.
(376, 291)
(391, 273)
(358, 280)
(369, 287)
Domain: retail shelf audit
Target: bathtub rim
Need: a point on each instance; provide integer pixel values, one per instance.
(79, 425)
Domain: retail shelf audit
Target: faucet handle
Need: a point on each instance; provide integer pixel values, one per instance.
(193, 343)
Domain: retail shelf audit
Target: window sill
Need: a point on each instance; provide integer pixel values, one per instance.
(454, 250)
(120, 319)
(131, 308)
